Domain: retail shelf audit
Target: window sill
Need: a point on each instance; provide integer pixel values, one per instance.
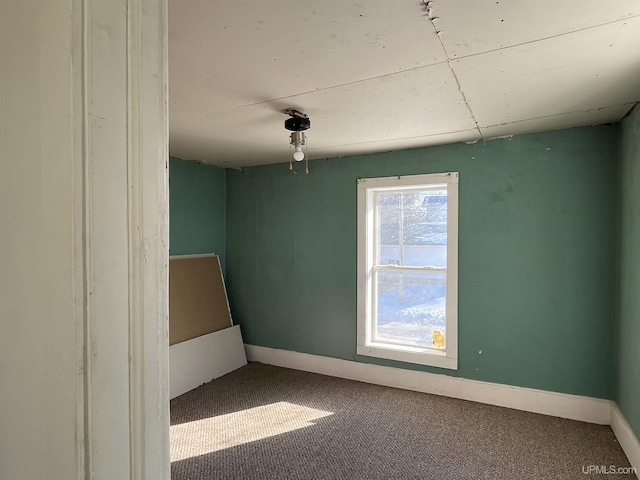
(418, 356)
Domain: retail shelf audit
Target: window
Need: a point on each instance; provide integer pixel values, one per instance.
(407, 268)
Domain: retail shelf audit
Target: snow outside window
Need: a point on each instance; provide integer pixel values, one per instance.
(408, 268)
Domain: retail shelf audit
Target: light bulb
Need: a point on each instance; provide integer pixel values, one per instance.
(298, 154)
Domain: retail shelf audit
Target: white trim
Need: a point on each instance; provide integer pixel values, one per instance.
(153, 348)
(192, 255)
(136, 244)
(395, 181)
(124, 234)
(575, 407)
(366, 344)
(80, 48)
(626, 437)
(204, 358)
(416, 355)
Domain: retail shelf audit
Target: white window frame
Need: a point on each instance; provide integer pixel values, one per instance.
(367, 187)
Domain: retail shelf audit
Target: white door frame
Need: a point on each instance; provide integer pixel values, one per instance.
(121, 237)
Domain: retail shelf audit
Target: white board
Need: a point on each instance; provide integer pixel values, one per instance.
(204, 358)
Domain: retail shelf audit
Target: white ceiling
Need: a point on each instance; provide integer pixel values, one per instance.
(381, 75)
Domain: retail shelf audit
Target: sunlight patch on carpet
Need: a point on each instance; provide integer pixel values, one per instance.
(225, 431)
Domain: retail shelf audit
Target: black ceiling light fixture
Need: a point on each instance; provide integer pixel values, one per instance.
(297, 124)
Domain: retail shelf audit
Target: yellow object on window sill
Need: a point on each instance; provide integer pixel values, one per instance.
(438, 339)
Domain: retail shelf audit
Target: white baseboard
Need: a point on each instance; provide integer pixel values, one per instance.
(627, 439)
(204, 358)
(575, 407)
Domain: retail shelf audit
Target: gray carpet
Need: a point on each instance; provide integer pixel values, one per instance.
(264, 422)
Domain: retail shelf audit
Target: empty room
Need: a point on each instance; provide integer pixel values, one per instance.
(410, 199)
(388, 239)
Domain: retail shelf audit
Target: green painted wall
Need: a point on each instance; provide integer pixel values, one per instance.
(628, 358)
(537, 249)
(196, 209)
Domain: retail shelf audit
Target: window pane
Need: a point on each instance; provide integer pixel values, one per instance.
(410, 308)
(412, 228)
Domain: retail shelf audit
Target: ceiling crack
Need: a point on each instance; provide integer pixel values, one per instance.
(433, 18)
